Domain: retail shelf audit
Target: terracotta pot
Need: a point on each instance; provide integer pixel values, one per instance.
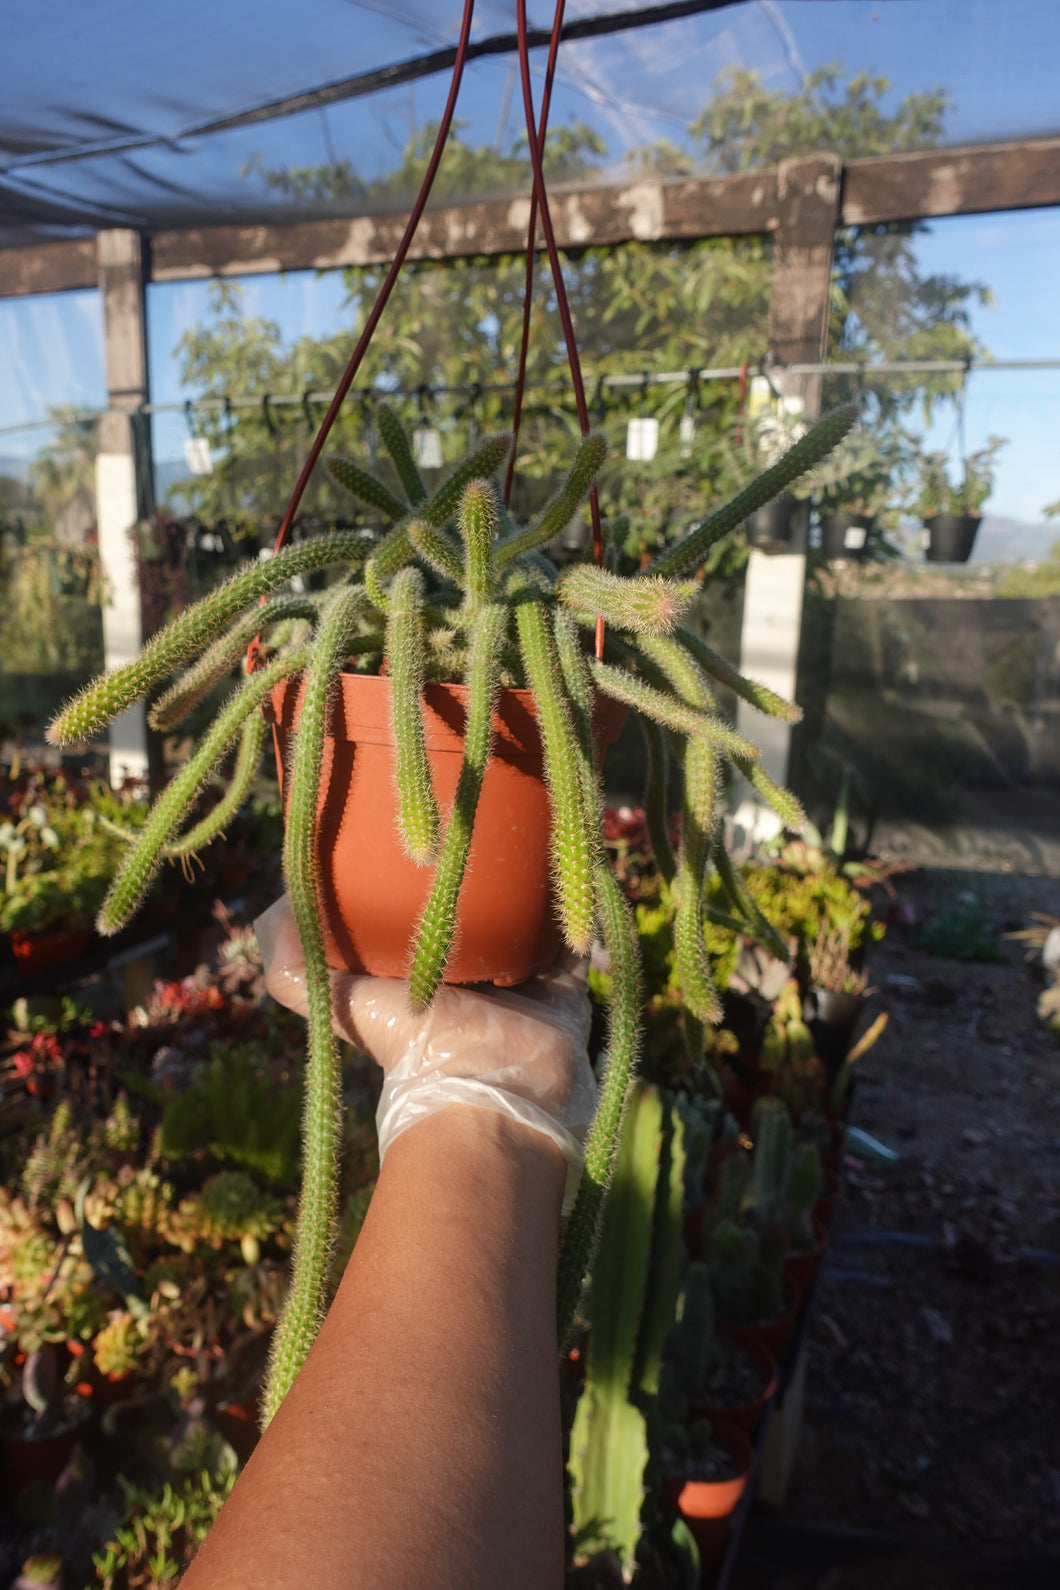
(746, 1416)
(707, 1506)
(773, 1335)
(373, 894)
(39, 952)
(802, 1267)
(824, 1207)
(28, 1462)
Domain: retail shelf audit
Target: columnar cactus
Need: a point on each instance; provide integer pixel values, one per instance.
(454, 590)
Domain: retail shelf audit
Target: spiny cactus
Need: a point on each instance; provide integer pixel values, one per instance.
(454, 590)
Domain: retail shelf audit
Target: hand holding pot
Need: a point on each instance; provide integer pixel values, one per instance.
(521, 1052)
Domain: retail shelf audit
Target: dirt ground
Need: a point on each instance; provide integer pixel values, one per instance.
(931, 1452)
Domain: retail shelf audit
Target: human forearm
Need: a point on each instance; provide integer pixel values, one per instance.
(421, 1442)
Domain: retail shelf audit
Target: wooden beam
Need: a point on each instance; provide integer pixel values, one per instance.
(51, 268)
(804, 241)
(647, 210)
(934, 182)
(970, 181)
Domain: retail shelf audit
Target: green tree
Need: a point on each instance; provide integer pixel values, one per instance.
(451, 332)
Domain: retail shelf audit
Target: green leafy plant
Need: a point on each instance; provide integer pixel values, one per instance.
(240, 1113)
(936, 493)
(961, 934)
(161, 1530)
(456, 589)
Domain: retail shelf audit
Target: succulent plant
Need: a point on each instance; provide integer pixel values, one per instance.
(454, 589)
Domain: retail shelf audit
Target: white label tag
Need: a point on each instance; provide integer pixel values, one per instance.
(854, 537)
(642, 440)
(427, 447)
(197, 455)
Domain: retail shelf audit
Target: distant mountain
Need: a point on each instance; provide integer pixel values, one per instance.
(1013, 540)
(14, 468)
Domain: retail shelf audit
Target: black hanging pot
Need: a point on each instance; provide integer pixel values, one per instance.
(831, 1018)
(951, 536)
(772, 528)
(846, 535)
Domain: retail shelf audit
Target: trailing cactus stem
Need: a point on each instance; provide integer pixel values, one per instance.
(748, 690)
(803, 456)
(693, 967)
(477, 518)
(304, 1308)
(656, 814)
(394, 550)
(394, 439)
(775, 795)
(605, 1134)
(483, 463)
(561, 510)
(142, 862)
(248, 760)
(672, 714)
(405, 651)
(439, 918)
(579, 688)
(647, 606)
(366, 488)
(111, 693)
(222, 656)
(744, 903)
(438, 550)
(571, 843)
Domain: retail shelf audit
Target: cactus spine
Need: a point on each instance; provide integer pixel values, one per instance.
(111, 693)
(140, 865)
(439, 917)
(304, 1308)
(417, 808)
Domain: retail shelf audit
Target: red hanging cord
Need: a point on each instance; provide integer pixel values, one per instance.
(381, 301)
(561, 291)
(528, 291)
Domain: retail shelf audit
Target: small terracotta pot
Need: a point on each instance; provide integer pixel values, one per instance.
(39, 952)
(707, 1506)
(373, 894)
(825, 1205)
(773, 1335)
(802, 1267)
(746, 1416)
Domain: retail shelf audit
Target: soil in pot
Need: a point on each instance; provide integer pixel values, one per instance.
(951, 536)
(845, 535)
(740, 1386)
(373, 893)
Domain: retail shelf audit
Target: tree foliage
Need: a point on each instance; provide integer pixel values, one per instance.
(447, 349)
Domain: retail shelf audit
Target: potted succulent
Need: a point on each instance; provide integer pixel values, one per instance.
(852, 489)
(951, 514)
(481, 640)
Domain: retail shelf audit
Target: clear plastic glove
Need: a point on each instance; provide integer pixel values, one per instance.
(521, 1052)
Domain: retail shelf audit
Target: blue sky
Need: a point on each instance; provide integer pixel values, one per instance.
(51, 347)
(1000, 72)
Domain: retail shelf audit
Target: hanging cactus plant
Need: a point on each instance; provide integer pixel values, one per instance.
(454, 586)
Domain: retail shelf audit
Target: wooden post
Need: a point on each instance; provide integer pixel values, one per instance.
(123, 476)
(808, 212)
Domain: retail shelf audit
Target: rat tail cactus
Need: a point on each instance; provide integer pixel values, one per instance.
(453, 590)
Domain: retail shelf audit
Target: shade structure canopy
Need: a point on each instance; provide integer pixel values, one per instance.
(146, 117)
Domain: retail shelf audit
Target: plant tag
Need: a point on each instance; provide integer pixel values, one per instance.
(642, 439)
(197, 455)
(687, 433)
(427, 447)
(854, 537)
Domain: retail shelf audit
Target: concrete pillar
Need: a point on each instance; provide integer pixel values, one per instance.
(804, 240)
(123, 477)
